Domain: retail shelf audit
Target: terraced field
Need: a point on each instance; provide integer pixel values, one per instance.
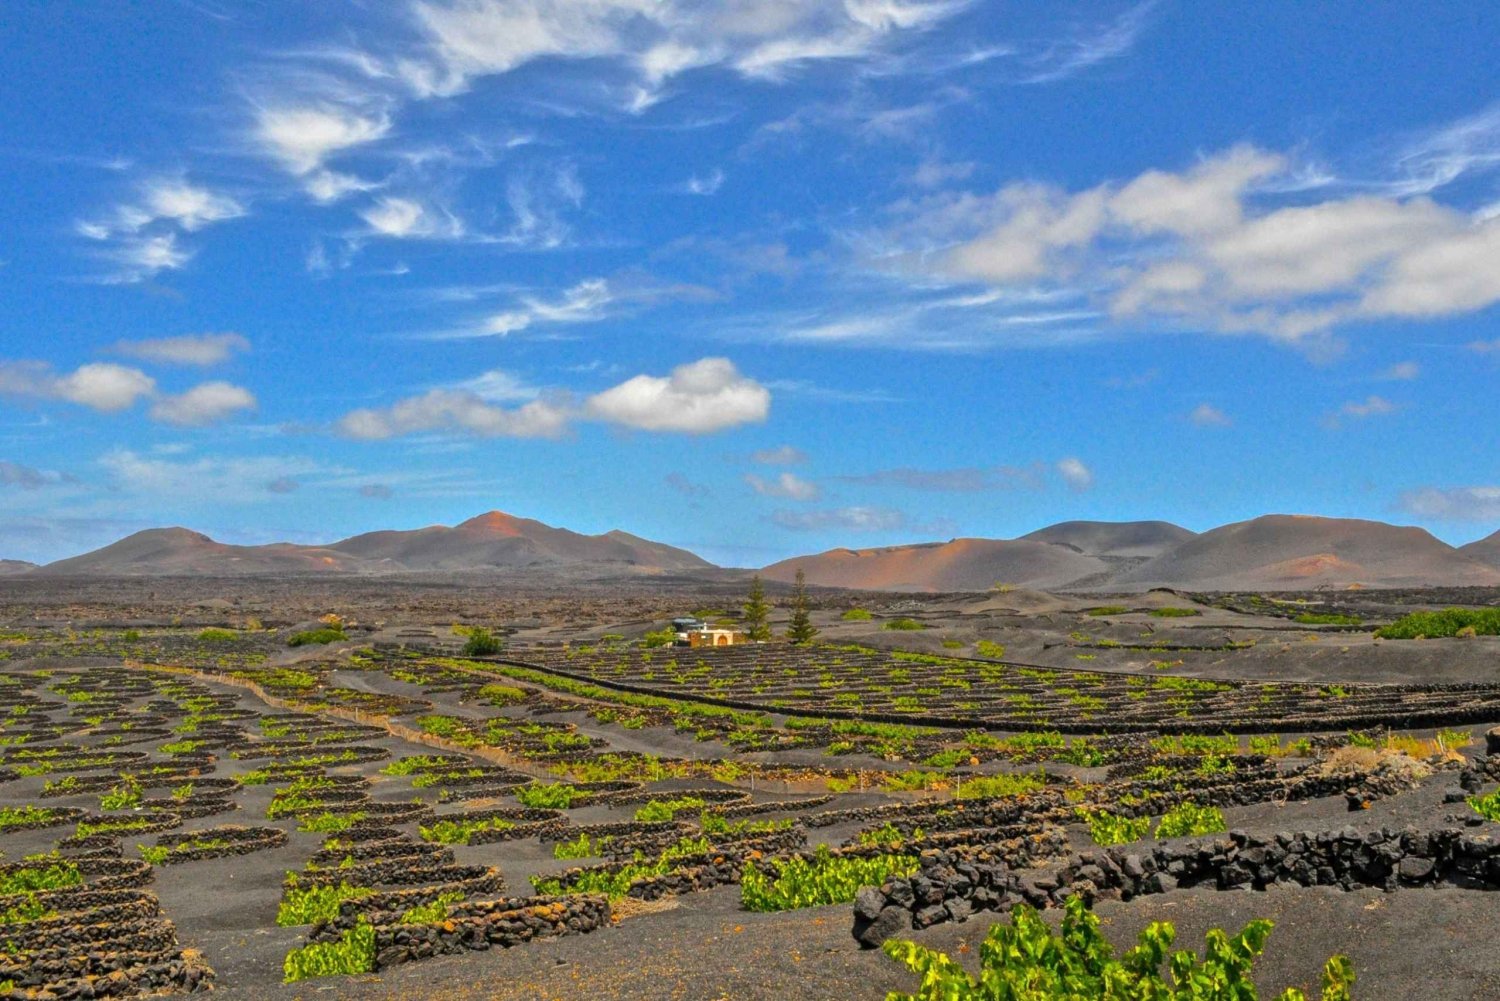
(361, 810)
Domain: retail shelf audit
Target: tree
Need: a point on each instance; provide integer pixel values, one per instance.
(801, 629)
(757, 612)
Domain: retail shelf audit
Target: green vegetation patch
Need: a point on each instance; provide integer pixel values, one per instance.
(1448, 622)
(797, 882)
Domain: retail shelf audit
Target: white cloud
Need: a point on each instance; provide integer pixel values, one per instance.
(303, 137)
(1371, 406)
(1202, 248)
(1403, 371)
(138, 258)
(499, 386)
(708, 184)
(856, 519)
(455, 410)
(101, 386)
(174, 201)
(1075, 474)
(1206, 415)
(782, 455)
(204, 404)
(404, 218)
(232, 480)
(697, 398)
(188, 349)
(585, 302)
(658, 39)
(787, 485)
(14, 474)
(1453, 504)
(1072, 56)
(327, 186)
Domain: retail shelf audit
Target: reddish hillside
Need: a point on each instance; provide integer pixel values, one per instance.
(1294, 552)
(960, 565)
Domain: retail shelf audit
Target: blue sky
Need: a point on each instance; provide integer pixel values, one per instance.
(752, 277)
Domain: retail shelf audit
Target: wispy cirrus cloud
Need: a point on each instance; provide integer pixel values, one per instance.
(1479, 503)
(858, 519)
(972, 479)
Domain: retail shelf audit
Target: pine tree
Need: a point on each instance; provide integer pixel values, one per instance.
(801, 629)
(757, 612)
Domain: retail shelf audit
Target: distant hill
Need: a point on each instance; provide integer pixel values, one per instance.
(1295, 551)
(1114, 538)
(1485, 550)
(490, 542)
(960, 565)
(9, 568)
(501, 540)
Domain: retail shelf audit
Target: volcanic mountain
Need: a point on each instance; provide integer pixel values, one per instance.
(1134, 539)
(490, 542)
(959, 565)
(1485, 550)
(501, 540)
(11, 567)
(1295, 551)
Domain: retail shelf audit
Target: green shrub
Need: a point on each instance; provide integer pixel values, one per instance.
(432, 912)
(311, 904)
(825, 879)
(317, 637)
(997, 786)
(1191, 820)
(28, 910)
(125, 796)
(1107, 828)
(1103, 610)
(218, 636)
(459, 832)
(1448, 622)
(1328, 619)
(553, 796)
(501, 695)
(328, 822)
(482, 643)
(990, 649)
(857, 615)
(1025, 961)
(55, 875)
(581, 847)
(1487, 807)
(1175, 613)
(354, 952)
(15, 816)
(667, 809)
(659, 638)
(903, 625)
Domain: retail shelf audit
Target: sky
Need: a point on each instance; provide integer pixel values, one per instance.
(753, 277)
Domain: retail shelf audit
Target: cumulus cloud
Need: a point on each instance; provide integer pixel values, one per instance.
(782, 455)
(1075, 474)
(788, 486)
(101, 386)
(1210, 246)
(1452, 504)
(697, 398)
(455, 410)
(189, 349)
(1206, 415)
(204, 404)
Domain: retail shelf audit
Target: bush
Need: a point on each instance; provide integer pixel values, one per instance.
(317, 637)
(1106, 828)
(1448, 622)
(997, 786)
(482, 643)
(903, 625)
(857, 615)
(1328, 619)
(556, 796)
(1487, 807)
(1103, 610)
(354, 952)
(1191, 820)
(217, 636)
(1174, 613)
(659, 638)
(825, 879)
(990, 649)
(56, 875)
(459, 832)
(1025, 961)
(667, 809)
(309, 905)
